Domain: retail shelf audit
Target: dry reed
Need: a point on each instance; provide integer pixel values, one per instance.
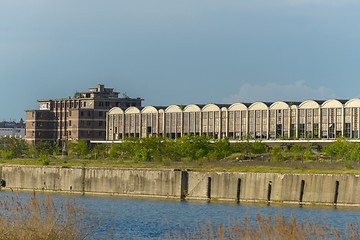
(276, 228)
(40, 218)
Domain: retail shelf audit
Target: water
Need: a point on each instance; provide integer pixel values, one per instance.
(128, 218)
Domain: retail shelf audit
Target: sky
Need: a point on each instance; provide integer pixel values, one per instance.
(178, 52)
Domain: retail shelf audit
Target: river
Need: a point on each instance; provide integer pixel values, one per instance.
(130, 218)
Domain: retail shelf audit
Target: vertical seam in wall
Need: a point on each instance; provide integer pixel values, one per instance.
(1, 171)
(83, 181)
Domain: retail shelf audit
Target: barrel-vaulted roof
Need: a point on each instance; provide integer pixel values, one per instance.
(210, 108)
(279, 105)
(173, 109)
(309, 104)
(132, 110)
(258, 106)
(149, 109)
(192, 108)
(115, 110)
(332, 103)
(238, 107)
(353, 103)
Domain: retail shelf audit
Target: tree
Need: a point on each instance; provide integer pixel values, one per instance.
(99, 150)
(221, 148)
(259, 147)
(81, 148)
(276, 154)
(115, 151)
(338, 149)
(13, 147)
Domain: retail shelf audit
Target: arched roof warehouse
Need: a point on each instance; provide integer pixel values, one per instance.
(265, 120)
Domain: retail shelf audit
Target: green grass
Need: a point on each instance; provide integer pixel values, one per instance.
(228, 165)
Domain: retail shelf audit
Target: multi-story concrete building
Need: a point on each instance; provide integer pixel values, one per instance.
(80, 117)
(260, 120)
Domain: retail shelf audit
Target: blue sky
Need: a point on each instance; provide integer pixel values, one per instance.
(178, 52)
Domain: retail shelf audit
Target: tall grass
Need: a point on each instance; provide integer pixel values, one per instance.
(276, 228)
(41, 218)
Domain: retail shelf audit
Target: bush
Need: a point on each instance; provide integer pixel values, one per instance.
(276, 154)
(7, 154)
(44, 159)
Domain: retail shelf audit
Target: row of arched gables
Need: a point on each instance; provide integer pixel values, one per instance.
(256, 106)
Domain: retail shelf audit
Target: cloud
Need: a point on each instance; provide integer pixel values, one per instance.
(296, 91)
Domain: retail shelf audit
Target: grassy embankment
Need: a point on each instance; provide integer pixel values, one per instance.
(229, 164)
(198, 153)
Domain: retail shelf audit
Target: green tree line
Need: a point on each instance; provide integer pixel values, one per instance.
(188, 148)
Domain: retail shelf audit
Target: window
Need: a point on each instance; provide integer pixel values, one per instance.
(301, 130)
(347, 130)
(316, 130)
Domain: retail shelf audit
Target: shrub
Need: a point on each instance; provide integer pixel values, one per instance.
(44, 159)
(7, 154)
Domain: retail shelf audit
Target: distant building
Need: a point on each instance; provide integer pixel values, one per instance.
(80, 117)
(12, 129)
(326, 119)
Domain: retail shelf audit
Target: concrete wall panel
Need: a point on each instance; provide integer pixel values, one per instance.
(270, 187)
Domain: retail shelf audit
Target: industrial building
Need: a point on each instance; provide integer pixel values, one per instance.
(82, 116)
(310, 119)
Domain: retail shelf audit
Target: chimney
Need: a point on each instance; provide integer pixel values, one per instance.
(100, 88)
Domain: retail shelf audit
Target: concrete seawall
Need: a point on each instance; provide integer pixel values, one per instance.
(325, 189)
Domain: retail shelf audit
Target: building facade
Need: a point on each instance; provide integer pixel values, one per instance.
(260, 120)
(71, 119)
(12, 129)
